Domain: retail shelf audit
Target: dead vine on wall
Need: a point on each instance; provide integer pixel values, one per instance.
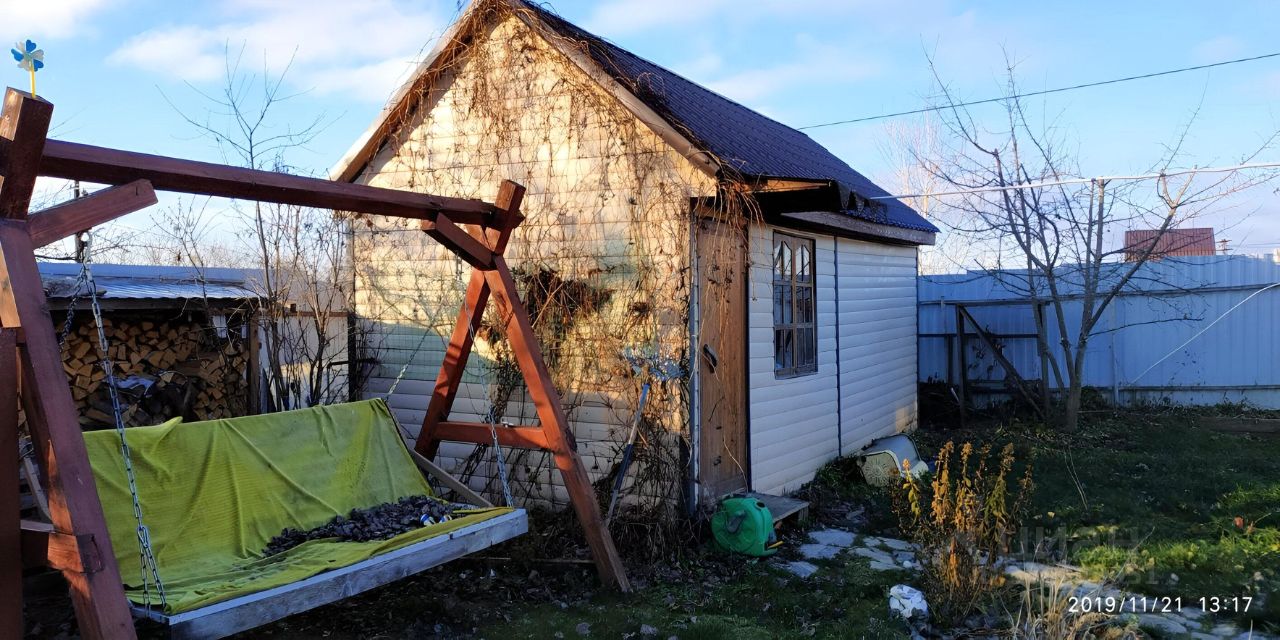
(603, 258)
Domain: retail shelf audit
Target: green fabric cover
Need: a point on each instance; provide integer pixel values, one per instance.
(215, 492)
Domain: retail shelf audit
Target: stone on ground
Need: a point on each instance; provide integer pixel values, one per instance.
(874, 555)
(818, 551)
(1165, 626)
(832, 537)
(801, 568)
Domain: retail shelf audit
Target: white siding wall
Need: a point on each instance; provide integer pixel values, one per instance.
(796, 422)
(877, 341)
(793, 420)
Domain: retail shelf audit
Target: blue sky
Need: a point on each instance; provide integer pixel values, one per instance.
(114, 67)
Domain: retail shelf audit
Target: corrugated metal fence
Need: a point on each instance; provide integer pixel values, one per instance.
(1145, 348)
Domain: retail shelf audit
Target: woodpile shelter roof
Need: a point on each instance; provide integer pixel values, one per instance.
(150, 282)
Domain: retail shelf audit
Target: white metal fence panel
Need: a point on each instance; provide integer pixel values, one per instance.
(1191, 330)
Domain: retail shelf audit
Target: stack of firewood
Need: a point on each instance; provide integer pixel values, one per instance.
(164, 370)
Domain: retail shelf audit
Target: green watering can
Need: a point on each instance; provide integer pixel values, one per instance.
(744, 525)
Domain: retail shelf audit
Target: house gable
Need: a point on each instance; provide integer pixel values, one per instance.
(716, 134)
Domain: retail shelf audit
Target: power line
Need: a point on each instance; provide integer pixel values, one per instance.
(1054, 183)
(1043, 92)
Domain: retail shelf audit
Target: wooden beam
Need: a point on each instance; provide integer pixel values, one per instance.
(10, 504)
(556, 435)
(98, 596)
(470, 317)
(23, 126)
(555, 425)
(1009, 370)
(447, 479)
(74, 161)
(465, 327)
(480, 433)
(62, 551)
(69, 218)
(35, 544)
(444, 231)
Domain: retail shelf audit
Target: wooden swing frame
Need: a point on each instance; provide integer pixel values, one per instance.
(77, 543)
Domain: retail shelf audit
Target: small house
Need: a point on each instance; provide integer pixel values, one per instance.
(662, 217)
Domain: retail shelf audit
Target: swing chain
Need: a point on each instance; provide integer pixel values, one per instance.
(71, 309)
(502, 464)
(146, 555)
(409, 360)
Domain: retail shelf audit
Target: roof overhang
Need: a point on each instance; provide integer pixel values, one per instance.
(845, 225)
(823, 206)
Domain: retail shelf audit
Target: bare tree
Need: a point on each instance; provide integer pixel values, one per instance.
(300, 253)
(1050, 235)
(903, 144)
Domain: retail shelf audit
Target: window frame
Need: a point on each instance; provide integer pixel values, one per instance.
(794, 303)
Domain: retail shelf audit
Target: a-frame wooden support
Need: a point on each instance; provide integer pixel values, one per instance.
(553, 433)
(77, 543)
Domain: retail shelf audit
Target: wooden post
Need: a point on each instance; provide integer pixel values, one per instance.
(10, 505)
(1010, 371)
(455, 363)
(24, 124)
(962, 363)
(556, 435)
(555, 425)
(96, 590)
(1041, 341)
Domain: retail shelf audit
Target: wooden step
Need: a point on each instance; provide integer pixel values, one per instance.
(781, 507)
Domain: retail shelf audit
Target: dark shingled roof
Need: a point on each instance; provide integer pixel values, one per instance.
(743, 139)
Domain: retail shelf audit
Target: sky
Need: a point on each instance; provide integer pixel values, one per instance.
(122, 73)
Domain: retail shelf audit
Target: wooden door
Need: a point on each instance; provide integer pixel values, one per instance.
(723, 464)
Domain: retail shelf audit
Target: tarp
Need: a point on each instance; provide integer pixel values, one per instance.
(214, 493)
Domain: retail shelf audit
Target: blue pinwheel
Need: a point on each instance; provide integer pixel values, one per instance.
(29, 59)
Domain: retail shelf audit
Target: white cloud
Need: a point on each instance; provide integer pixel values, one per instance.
(814, 64)
(47, 18)
(194, 54)
(360, 48)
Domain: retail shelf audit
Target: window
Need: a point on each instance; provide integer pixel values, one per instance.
(795, 343)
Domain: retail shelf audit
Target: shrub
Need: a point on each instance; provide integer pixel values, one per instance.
(1044, 613)
(961, 521)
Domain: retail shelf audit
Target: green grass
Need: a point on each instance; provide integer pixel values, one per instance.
(1152, 501)
(1140, 496)
(845, 599)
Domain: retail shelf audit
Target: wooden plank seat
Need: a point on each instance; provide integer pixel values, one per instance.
(214, 493)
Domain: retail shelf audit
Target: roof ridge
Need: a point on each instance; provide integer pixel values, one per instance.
(547, 12)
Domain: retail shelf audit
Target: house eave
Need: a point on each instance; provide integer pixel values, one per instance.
(844, 225)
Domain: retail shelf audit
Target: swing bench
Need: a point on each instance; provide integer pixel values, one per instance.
(213, 493)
